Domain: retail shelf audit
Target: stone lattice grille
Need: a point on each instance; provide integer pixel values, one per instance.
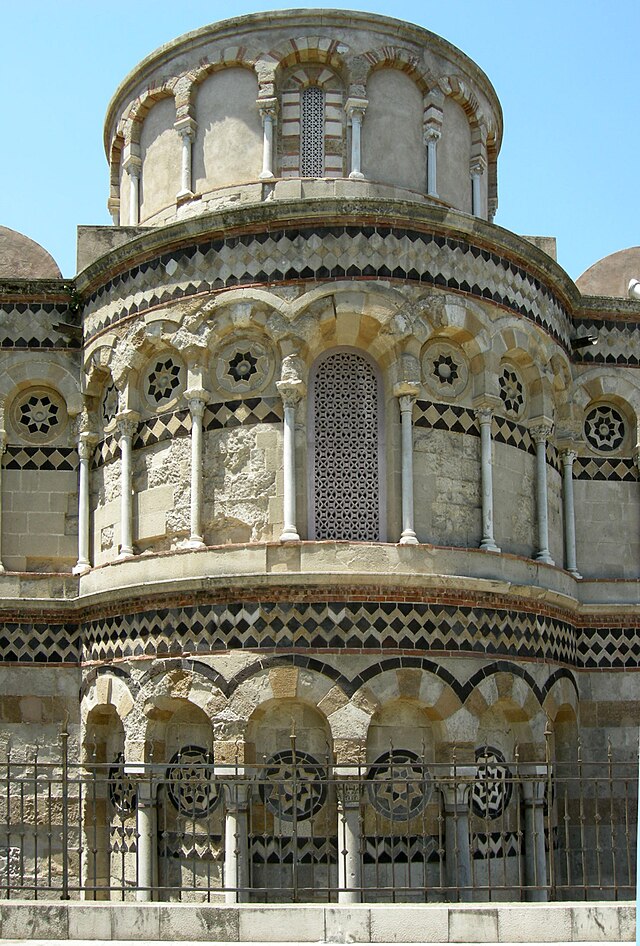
(191, 785)
(346, 464)
(312, 133)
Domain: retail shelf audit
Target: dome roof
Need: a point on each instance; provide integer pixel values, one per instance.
(610, 276)
(23, 258)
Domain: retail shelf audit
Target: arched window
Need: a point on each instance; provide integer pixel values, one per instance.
(346, 449)
(312, 132)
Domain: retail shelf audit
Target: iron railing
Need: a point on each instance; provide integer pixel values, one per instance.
(292, 828)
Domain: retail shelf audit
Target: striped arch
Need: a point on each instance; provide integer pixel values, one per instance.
(397, 57)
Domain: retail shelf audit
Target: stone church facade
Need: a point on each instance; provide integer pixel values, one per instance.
(320, 514)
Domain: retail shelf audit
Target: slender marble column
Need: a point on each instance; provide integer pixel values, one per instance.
(476, 171)
(485, 416)
(290, 390)
(196, 404)
(568, 457)
(349, 841)
(147, 845)
(540, 435)
(432, 136)
(407, 392)
(535, 865)
(126, 429)
(133, 167)
(3, 447)
(355, 109)
(269, 110)
(84, 453)
(456, 830)
(236, 843)
(186, 128)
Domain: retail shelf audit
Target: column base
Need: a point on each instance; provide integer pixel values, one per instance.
(2, 569)
(81, 568)
(433, 194)
(195, 543)
(488, 545)
(545, 558)
(266, 176)
(183, 196)
(574, 572)
(356, 176)
(289, 535)
(408, 537)
(124, 554)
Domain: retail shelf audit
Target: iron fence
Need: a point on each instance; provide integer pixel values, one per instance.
(293, 828)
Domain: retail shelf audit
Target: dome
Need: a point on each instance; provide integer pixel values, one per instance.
(610, 276)
(23, 258)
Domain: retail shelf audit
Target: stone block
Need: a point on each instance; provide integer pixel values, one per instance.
(281, 924)
(34, 921)
(398, 923)
(90, 920)
(136, 921)
(192, 922)
(473, 925)
(538, 923)
(347, 924)
(596, 922)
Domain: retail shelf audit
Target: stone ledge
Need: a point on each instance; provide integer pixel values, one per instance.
(599, 922)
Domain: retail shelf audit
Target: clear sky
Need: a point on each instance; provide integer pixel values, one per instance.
(566, 71)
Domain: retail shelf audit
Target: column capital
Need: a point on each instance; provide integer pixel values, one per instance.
(534, 783)
(636, 457)
(186, 127)
(127, 423)
(568, 455)
(456, 791)
(355, 106)
(268, 108)
(431, 133)
(132, 164)
(3, 441)
(541, 431)
(349, 791)
(477, 167)
(291, 390)
(197, 399)
(406, 389)
(484, 415)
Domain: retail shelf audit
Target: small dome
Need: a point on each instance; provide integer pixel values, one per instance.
(610, 276)
(22, 258)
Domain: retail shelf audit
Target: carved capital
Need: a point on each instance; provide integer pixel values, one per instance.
(432, 133)
(355, 108)
(268, 108)
(3, 441)
(132, 164)
(349, 792)
(484, 415)
(291, 391)
(568, 456)
(477, 167)
(127, 424)
(196, 401)
(406, 389)
(186, 128)
(541, 432)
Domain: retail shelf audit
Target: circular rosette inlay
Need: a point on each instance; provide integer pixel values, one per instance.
(294, 785)
(445, 370)
(492, 786)
(604, 428)
(191, 783)
(164, 380)
(39, 415)
(399, 784)
(244, 366)
(122, 789)
(512, 390)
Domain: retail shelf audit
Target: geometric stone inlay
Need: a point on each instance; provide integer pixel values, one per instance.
(191, 782)
(445, 370)
(244, 366)
(604, 428)
(165, 380)
(492, 785)
(122, 789)
(399, 784)
(511, 390)
(293, 785)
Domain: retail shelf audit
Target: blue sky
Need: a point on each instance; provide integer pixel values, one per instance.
(566, 73)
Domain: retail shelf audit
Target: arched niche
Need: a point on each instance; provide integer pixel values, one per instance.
(160, 155)
(393, 150)
(454, 152)
(228, 143)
